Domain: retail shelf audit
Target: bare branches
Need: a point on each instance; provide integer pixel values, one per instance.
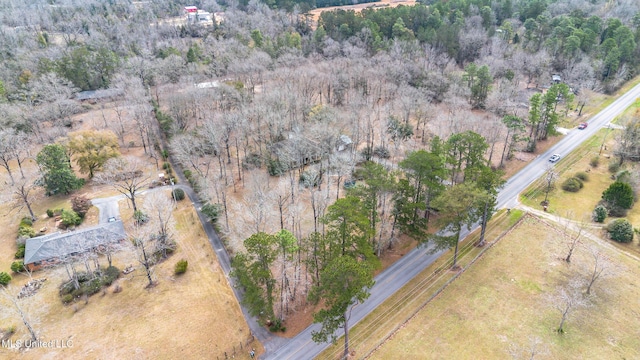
(533, 349)
(26, 320)
(601, 267)
(566, 300)
(125, 175)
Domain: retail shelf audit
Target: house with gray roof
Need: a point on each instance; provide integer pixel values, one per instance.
(100, 94)
(48, 249)
(296, 151)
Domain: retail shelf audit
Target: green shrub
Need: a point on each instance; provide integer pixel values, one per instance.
(212, 211)
(187, 174)
(276, 325)
(572, 185)
(616, 211)
(181, 267)
(381, 152)
(84, 276)
(20, 253)
(619, 194)
(620, 230)
(17, 266)
(26, 232)
(178, 194)
(275, 167)
(367, 153)
(76, 293)
(165, 121)
(252, 161)
(614, 166)
(4, 278)
(600, 214)
(624, 176)
(67, 299)
(50, 213)
(595, 161)
(66, 288)
(309, 179)
(112, 271)
(583, 176)
(110, 275)
(26, 221)
(70, 218)
(140, 217)
(166, 165)
(91, 287)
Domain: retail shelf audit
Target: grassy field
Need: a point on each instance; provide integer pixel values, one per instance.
(501, 303)
(581, 203)
(377, 326)
(193, 316)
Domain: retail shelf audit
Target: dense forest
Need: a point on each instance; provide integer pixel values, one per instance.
(318, 141)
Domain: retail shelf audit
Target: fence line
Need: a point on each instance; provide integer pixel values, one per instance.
(241, 349)
(445, 285)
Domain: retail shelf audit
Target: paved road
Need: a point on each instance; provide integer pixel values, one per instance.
(400, 273)
(108, 207)
(508, 196)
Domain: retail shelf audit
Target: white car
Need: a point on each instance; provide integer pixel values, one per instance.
(554, 158)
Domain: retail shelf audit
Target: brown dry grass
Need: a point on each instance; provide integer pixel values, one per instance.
(315, 13)
(581, 203)
(501, 302)
(191, 316)
(372, 330)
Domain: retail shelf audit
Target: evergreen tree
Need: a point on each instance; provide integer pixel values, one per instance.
(345, 283)
(55, 165)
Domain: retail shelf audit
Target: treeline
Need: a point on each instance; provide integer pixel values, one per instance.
(305, 5)
(458, 27)
(453, 180)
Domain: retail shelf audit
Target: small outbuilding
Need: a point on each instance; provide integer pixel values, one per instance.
(556, 79)
(93, 96)
(344, 142)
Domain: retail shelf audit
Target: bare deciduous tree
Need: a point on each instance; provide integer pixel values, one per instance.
(566, 300)
(549, 180)
(7, 144)
(126, 176)
(601, 267)
(574, 236)
(159, 206)
(143, 240)
(533, 349)
(25, 194)
(26, 319)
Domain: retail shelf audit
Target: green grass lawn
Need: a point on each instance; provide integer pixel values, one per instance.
(581, 203)
(502, 302)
